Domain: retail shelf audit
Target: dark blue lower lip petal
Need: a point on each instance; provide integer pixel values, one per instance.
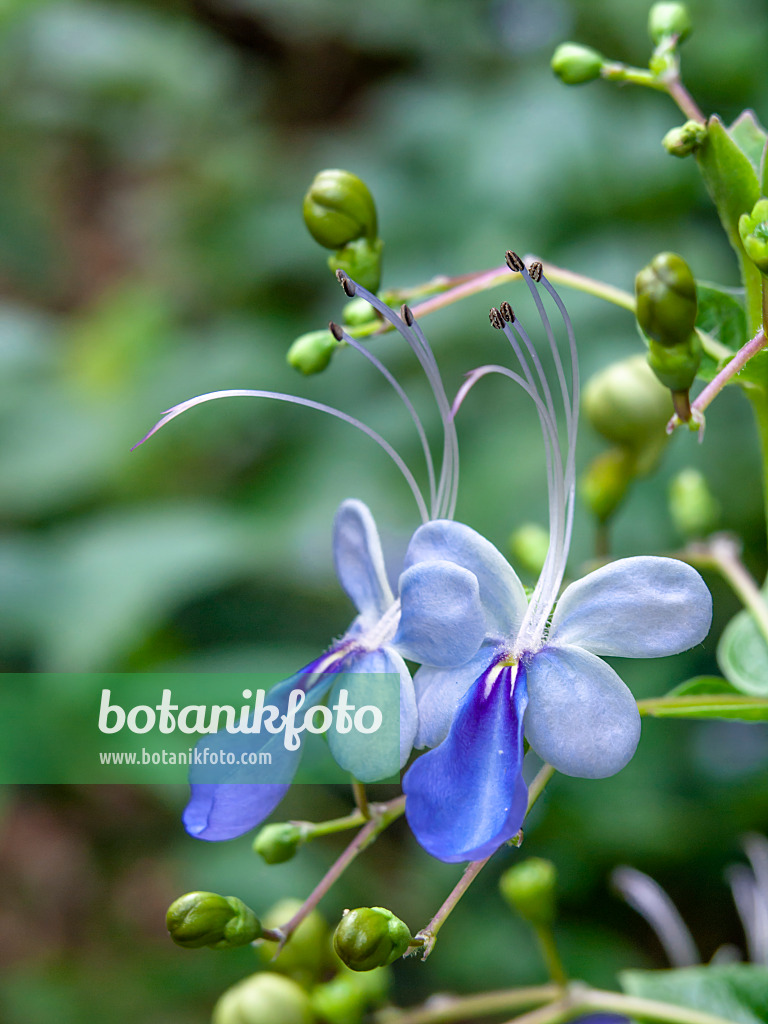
(467, 796)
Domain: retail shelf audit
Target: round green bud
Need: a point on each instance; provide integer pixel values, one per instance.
(358, 312)
(574, 64)
(279, 842)
(370, 937)
(360, 260)
(753, 229)
(529, 545)
(312, 352)
(669, 19)
(665, 291)
(676, 366)
(305, 955)
(626, 404)
(264, 999)
(529, 888)
(206, 919)
(345, 998)
(684, 140)
(693, 507)
(604, 484)
(338, 208)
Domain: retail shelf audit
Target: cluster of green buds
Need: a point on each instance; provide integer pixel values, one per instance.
(200, 919)
(666, 310)
(629, 408)
(753, 230)
(370, 937)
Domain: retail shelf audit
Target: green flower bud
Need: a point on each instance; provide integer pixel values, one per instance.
(312, 352)
(370, 937)
(669, 19)
(264, 999)
(666, 299)
(207, 919)
(304, 956)
(693, 507)
(676, 366)
(358, 312)
(604, 484)
(529, 545)
(685, 139)
(279, 842)
(574, 64)
(753, 229)
(529, 888)
(345, 998)
(626, 404)
(360, 260)
(338, 209)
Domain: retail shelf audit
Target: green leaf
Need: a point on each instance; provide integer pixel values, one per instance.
(750, 136)
(733, 184)
(742, 655)
(737, 992)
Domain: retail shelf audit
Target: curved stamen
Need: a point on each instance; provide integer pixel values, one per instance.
(278, 396)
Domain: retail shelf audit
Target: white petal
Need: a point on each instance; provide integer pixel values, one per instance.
(501, 592)
(360, 562)
(581, 717)
(438, 692)
(643, 607)
(442, 621)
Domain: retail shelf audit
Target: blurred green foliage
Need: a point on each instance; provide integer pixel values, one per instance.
(153, 157)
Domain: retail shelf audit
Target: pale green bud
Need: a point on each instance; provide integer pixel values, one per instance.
(358, 312)
(345, 998)
(529, 545)
(530, 889)
(339, 208)
(200, 919)
(753, 229)
(626, 404)
(669, 19)
(693, 507)
(304, 956)
(666, 299)
(575, 64)
(684, 140)
(264, 999)
(360, 260)
(279, 842)
(605, 482)
(312, 352)
(370, 937)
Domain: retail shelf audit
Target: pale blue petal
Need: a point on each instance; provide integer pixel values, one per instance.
(377, 755)
(442, 621)
(218, 812)
(643, 607)
(360, 561)
(501, 592)
(438, 692)
(467, 796)
(581, 717)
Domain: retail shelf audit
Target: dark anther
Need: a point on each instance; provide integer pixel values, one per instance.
(336, 331)
(514, 262)
(507, 312)
(536, 270)
(497, 320)
(346, 283)
(406, 314)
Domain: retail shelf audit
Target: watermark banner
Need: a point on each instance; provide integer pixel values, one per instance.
(210, 728)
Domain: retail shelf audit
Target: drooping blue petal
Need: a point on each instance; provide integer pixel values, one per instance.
(359, 561)
(642, 607)
(378, 755)
(581, 717)
(442, 621)
(467, 796)
(501, 592)
(438, 692)
(229, 800)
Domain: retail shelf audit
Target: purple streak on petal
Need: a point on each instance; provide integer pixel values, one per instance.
(467, 796)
